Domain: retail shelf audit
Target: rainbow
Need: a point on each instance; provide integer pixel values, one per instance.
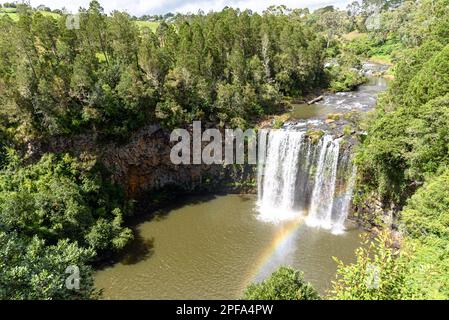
(287, 229)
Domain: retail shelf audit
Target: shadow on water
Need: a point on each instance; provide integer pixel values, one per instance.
(146, 213)
(140, 248)
(245, 197)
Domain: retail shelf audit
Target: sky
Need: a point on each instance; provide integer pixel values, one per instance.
(140, 7)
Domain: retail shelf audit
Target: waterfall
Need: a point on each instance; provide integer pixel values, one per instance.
(299, 177)
(279, 175)
(320, 213)
(261, 155)
(339, 225)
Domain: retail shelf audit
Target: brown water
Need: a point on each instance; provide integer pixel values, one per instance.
(212, 248)
(305, 111)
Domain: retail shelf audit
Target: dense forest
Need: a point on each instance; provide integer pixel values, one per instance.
(405, 155)
(112, 76)
(403, 161)
(109, 77)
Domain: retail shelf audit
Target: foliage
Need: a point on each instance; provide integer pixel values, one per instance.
(61, 198)
(30, 269)
(431, 81)
(379, 273)
(315, 135)
(110, 76)
(404, 146)
(403, 159)
(56, 213)
(427, 212)
(407, 134)
(420, 271)
(425, 223)
(344, 74)
(284, 284)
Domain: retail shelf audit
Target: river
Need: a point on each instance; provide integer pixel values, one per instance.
(212, 247)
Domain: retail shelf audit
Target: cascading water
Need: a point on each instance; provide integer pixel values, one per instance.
(280, 175)
(344, 207)
(299, 177)
(320, 213)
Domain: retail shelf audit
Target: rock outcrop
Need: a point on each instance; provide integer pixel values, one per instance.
(143, 163)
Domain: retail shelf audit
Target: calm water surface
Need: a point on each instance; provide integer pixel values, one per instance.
(212, 248)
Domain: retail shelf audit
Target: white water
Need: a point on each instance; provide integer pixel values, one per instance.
(320, 213)
(298, 178)
(339, 225)
(278, 181)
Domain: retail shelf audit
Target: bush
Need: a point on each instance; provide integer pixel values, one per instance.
(432, 80)
(427, 212)
(345, 75)
(29, 269)
(62, 198)
(284, 284)
(379, 273)
(425, 222)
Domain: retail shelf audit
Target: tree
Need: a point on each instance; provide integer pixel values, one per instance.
(32, 270)
(432, 81)
(61, 198)
(379, 273)
(284, 284)
(424, 222)
(427, 212)
(109, 77)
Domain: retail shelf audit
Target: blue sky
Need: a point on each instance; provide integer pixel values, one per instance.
(139, 7)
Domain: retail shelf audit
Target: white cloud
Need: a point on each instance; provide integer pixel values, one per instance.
(139, 7)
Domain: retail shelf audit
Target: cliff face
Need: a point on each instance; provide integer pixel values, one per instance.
(143, 163)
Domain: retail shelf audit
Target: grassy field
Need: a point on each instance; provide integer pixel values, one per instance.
(12, 13)
(354, 35)
(51, 14)
(11, 10)
(15, 17)
(148, 24)
(384, 59)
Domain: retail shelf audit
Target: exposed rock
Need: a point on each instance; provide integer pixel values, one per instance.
(144, 163)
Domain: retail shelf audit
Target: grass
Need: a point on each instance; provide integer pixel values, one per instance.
(354, 35)
(50, 14)
(12, 13)
(13, 16)
(148, 24)
(382, 58)
(8, 10)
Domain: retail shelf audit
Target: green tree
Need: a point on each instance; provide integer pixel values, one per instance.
(379, 273)
(432, 80)
(284, 284)
(32, 270)
(424, 222)
(61, 198)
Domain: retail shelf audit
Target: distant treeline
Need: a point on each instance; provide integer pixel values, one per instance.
(110, 76)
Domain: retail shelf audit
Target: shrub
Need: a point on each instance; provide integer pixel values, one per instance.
(379, 273)
(284, 284)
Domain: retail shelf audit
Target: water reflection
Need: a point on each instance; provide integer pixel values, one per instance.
(212, 249)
